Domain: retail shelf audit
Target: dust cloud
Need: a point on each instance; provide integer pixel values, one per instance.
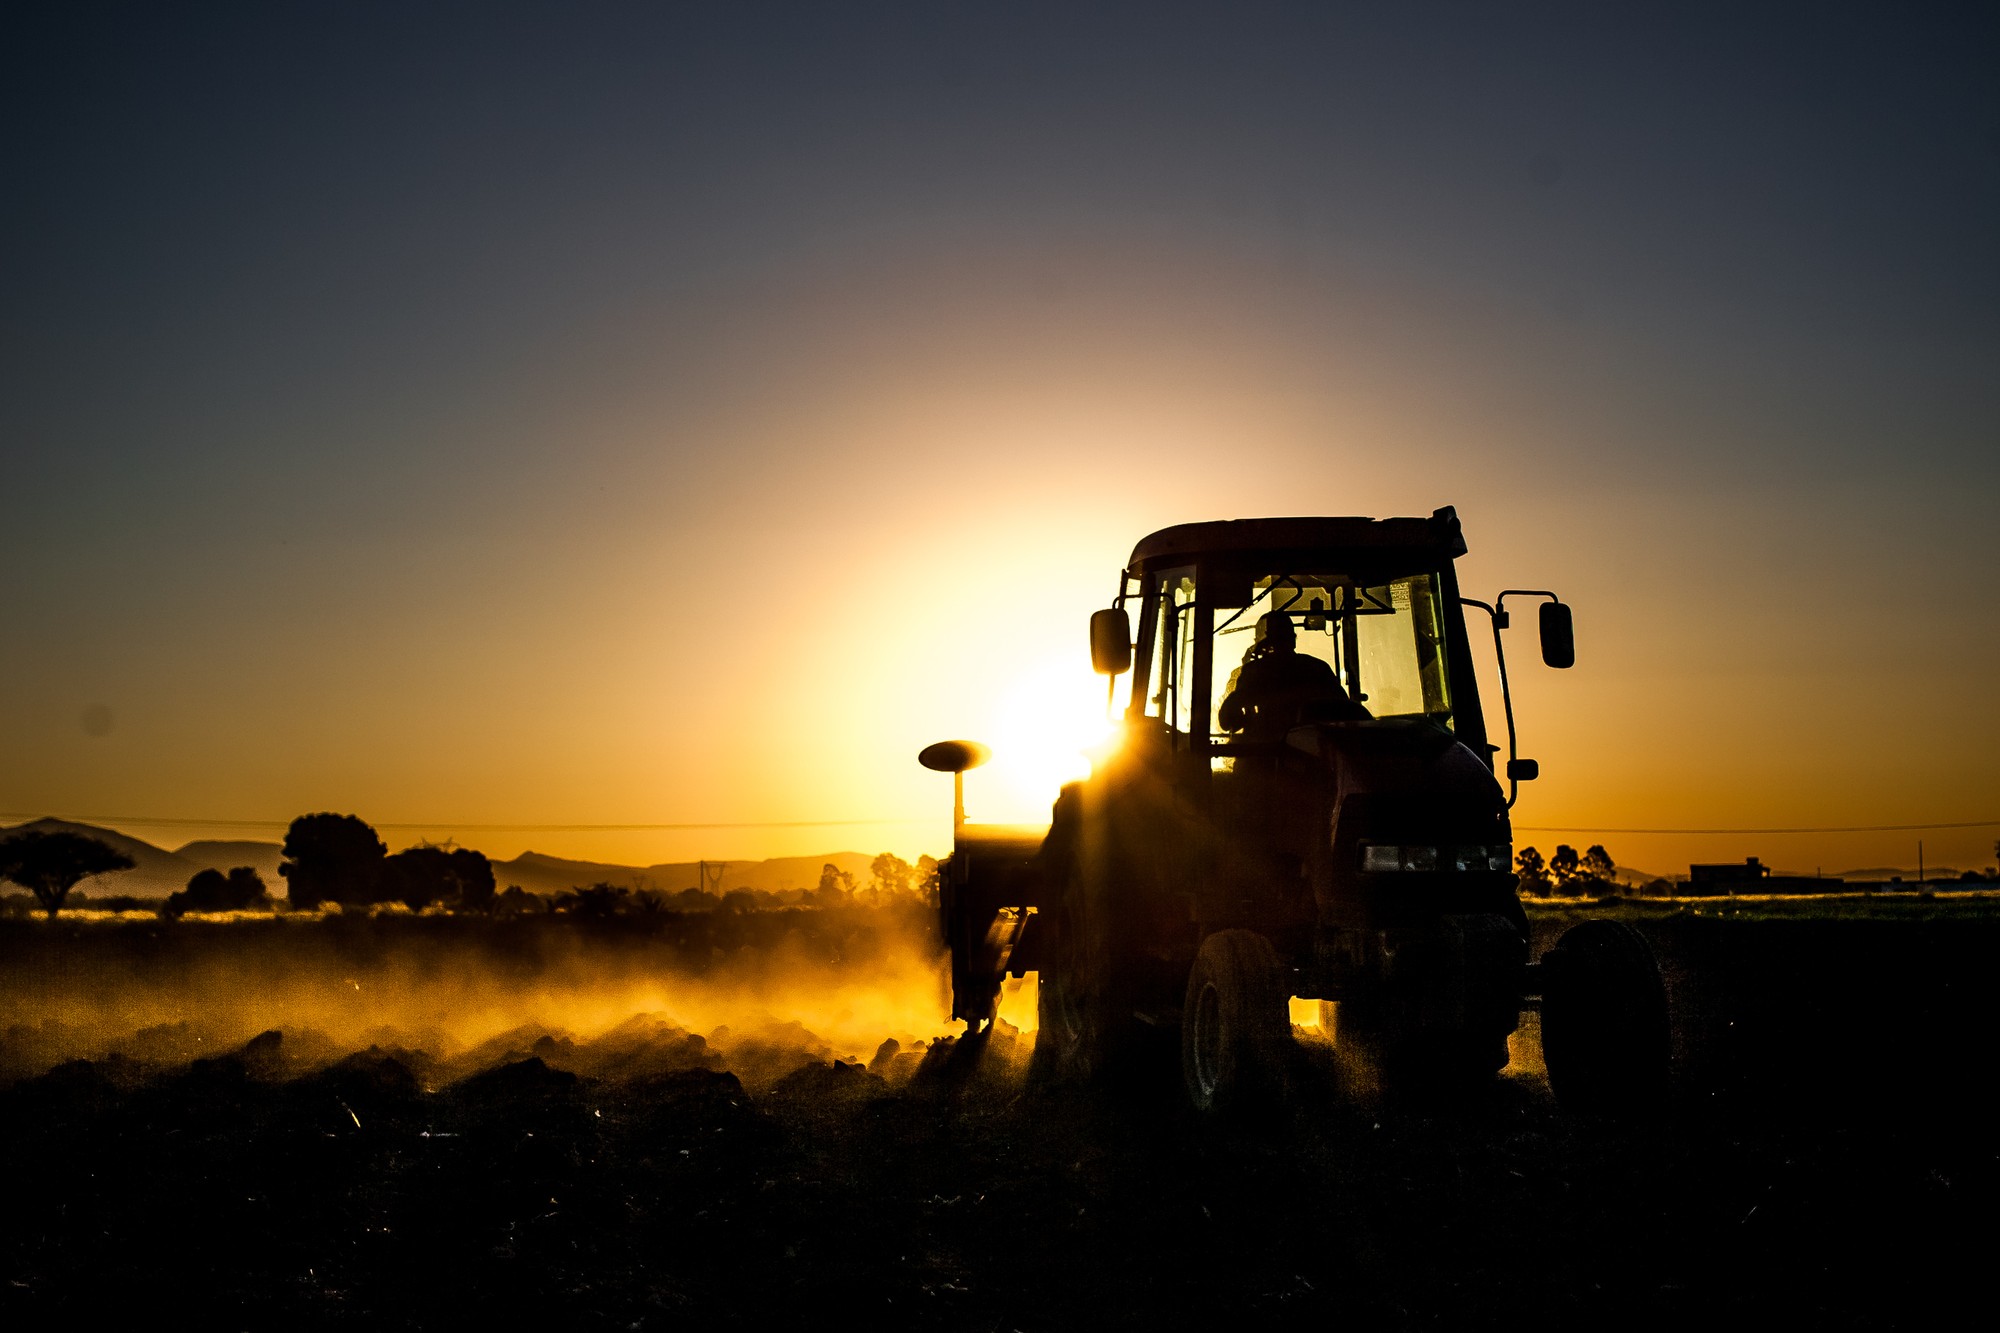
(761, 995)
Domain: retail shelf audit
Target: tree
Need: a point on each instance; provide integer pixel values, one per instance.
(1597, 864)
(834, 881)
(1564, 865)
(424, 875)
(475, 880)
(50, 864)
(517, 901)
(597, 900)
(892, 876)
(1534, 872)
(212, 891)
(332, 858)
(927, 878)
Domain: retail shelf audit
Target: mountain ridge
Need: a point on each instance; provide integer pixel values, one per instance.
(160, 871)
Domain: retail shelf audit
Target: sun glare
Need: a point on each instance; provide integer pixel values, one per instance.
(1043, 727)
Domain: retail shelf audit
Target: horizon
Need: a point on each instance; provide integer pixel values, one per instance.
(1930, 870)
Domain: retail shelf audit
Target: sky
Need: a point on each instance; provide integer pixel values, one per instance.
(497, 419)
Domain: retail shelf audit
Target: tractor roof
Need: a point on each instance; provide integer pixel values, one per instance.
(1331, 541)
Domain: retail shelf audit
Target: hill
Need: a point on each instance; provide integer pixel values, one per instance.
(538, 872)
(158, 872)
(155, 872)
(227, 854)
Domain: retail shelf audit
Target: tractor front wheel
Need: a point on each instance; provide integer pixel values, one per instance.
(1604, 1022)
(1235, 1029)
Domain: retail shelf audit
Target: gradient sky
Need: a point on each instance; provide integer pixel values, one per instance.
(592, 414)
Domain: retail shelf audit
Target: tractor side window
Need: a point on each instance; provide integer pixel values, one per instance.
(1173, 649)
(1182, 592)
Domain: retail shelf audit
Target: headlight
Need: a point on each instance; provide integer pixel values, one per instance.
(1379, 858)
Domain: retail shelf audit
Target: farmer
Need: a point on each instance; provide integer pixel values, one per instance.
(1278, 687)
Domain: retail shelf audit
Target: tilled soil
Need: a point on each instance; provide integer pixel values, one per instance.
(951, 1191)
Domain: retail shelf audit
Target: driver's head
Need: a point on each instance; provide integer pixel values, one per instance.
(1275, 632)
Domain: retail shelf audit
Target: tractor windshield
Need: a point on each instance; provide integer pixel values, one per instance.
(1382, 645)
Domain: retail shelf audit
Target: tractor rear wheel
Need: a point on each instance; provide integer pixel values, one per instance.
(1235, 1030)
(1063, 1039)
(1085, 1007)
(1604, 1022)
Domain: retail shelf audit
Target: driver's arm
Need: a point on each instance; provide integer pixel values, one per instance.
(1230, 714)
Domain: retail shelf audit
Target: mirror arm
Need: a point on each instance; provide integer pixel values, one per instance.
(1500, 602)
(1126, 578)
(1498, 615)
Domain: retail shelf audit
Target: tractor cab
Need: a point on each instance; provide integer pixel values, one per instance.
(1367, 604)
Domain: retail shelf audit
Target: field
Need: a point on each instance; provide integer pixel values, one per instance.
(700, 1120)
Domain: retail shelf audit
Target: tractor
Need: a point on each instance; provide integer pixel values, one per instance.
(1300, 801)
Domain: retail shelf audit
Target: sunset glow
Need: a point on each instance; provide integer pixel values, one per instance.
(727, 495)
(1045, 726)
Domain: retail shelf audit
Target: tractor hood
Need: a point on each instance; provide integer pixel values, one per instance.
(1414, 766)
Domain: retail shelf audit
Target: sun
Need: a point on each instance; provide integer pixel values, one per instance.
(1044, 724)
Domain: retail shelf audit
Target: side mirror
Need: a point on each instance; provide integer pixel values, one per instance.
(1558, 636)
(1523, 770)
(953, 756)
(1111, 641)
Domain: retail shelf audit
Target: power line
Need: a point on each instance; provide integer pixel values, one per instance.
(170, 821)
(177, 822)
(1827, 828)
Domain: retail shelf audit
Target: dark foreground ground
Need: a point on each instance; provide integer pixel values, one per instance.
(1830, 1161)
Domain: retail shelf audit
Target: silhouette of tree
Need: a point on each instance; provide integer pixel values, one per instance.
(927, 878)
(834, 881)
(1534, 872)
(739, 900)
(332, 858)
(517, 901)
(475, 881)
(1597, 863)
(597, 901)
(891, 874)
(213, 891)
(1564, 865)
(50, 864)
(425, 875)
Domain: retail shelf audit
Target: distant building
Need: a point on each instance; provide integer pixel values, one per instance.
(1749, 876)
